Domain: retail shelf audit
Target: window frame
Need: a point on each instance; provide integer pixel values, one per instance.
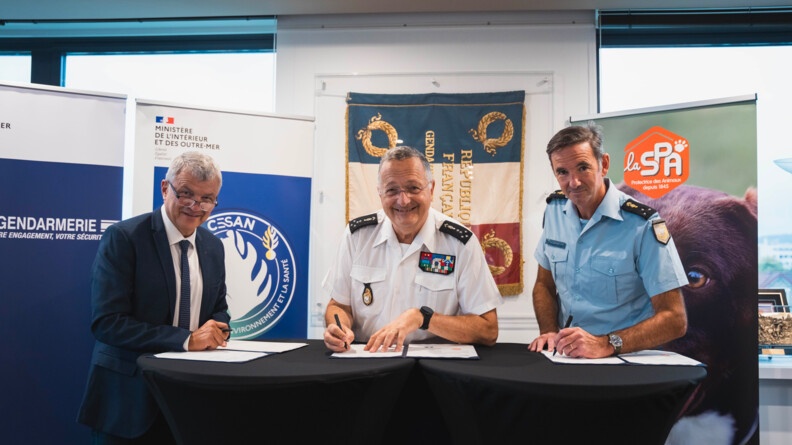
(48, 54)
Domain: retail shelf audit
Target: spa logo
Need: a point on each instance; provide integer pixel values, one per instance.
(656, 162)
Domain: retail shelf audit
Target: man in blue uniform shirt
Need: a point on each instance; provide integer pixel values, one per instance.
(605, 261)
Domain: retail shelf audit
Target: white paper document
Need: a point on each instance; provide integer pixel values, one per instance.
(646, 357)
(560, 358)
(217, 355)
(423, 350)
(261, 346)
(654, 357)
(441, 351)
(356, 351)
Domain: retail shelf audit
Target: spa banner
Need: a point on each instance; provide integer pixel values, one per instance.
(696, 164)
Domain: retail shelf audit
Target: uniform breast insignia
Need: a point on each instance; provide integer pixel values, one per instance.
(639, 209)
(558, 194)
(661, 231)
(459, 232)
(368, 294)
(362, 221)
(437, 263)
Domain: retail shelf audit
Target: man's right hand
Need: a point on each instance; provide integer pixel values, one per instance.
(336, 339)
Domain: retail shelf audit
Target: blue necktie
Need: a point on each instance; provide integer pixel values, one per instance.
(184, 302)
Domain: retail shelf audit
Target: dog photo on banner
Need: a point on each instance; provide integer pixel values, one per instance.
(474, 143)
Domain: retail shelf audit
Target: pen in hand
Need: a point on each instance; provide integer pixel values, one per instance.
(566, 325)
(338, 322)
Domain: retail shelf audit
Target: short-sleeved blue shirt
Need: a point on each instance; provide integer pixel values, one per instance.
(606, 269)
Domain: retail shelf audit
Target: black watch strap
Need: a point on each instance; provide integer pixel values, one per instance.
(427, 313)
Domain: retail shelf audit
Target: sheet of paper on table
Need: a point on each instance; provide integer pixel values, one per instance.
(655, 357)
(261, 346)
(423, 350)
(646, 357)
(560, 358)
(444, 350)
(356, 351)
(217, 355)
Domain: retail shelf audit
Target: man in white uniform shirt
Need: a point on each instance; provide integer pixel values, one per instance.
(408, 272)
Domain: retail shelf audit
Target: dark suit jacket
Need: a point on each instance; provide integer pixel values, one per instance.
(133, 296)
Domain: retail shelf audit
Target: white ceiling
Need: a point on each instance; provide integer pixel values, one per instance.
(126, 9)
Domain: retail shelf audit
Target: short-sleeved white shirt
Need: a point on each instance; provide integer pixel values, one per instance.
(371, 260)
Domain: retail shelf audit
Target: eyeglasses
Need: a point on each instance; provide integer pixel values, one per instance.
(410, 190)
(185, 199)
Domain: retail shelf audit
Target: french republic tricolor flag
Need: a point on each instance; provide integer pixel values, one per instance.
(165, 120)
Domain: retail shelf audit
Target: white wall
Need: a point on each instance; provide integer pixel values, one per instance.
(313, 49)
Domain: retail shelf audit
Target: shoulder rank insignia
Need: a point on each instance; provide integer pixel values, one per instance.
(558, 194)
(661, 231)
(362, 222)
(639, 209)
(437, 263)
(459, 232)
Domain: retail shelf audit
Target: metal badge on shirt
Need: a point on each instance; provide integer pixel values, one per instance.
(368, 294)
(661, 231)
(437, 263)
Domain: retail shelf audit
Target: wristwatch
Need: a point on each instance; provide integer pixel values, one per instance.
(427, 313)
(616, 342)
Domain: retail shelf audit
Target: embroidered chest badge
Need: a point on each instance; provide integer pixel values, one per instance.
(661, 231)
(437, 263)
(368, 295)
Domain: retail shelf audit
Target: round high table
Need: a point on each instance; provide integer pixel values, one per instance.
(512, 395)
(298, 396)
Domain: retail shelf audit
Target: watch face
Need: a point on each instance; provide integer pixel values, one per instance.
(615, 340)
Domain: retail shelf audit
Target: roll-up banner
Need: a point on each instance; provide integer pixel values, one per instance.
(61, 157)
(263, 215)
(696, 164)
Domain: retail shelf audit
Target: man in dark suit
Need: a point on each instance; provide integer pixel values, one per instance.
(136, 297)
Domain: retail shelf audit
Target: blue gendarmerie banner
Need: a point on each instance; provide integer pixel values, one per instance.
(474, 143)
(61, 175)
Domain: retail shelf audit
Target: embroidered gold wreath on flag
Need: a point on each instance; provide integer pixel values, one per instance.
(491, 241)
(377, 124)
(491, 145)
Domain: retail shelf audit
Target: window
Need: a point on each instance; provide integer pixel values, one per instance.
(236, 80)
(652, 71)
(219, 62)
(15, 67)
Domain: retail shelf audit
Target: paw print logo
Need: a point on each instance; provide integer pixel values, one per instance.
(680, 145)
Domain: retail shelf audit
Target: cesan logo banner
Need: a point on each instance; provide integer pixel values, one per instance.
(656, 162)
(260, 271)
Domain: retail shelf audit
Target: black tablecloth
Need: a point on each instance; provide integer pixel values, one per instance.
(508, 395)
(299, 396)
(512, 395)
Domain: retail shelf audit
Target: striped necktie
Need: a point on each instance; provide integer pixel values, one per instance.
(184, 301)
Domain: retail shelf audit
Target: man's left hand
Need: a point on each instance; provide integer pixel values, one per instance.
(394, 333)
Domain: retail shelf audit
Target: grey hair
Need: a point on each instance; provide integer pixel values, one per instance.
(201, 166)
(401, 153)
(577, 134)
